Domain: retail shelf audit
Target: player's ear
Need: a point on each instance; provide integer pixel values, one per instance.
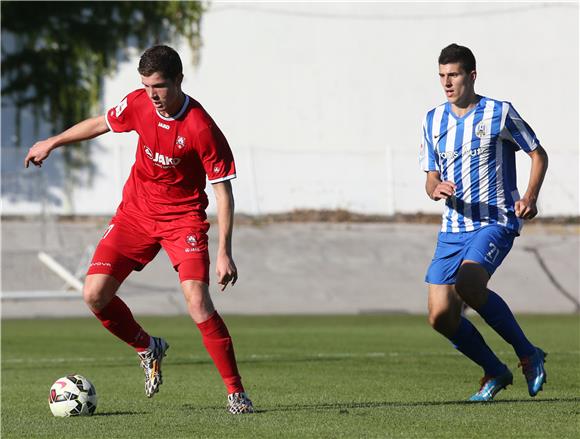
(179, 80)
(473, 75)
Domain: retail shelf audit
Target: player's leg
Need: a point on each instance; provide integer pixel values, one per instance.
(194, 276)
(186, 243)
(485, 254)
(107, 271)
(99, 293)
(214, 333)
(445, 317)
(472, 287)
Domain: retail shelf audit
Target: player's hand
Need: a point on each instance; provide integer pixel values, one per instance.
(226, 271)
(38, 153)
(443, 190)
(526, 208)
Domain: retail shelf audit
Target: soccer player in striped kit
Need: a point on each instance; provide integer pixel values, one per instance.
(468, 153)
(163, 205)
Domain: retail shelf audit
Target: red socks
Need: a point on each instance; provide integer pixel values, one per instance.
(118, 320)
(218, 343)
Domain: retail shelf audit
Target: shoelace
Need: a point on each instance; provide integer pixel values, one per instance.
(147, 360)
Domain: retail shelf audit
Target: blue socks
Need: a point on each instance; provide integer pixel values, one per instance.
(498, 315)
(470, 343)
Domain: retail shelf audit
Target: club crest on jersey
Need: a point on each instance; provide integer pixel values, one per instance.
(180, 142)
(481, 130)
(192, 241)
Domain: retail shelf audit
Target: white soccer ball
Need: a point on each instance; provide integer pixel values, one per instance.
(72, 395)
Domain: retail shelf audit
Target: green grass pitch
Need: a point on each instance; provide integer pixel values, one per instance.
(309, 376)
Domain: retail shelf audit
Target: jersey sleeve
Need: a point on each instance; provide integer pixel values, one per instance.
(519, 132)
(216, 155)
(427, 157)
(120, 118)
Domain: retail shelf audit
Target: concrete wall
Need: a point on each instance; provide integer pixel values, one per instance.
(322, 103)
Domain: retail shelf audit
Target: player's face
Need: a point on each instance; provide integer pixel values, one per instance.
(457, 84)
(165, 94)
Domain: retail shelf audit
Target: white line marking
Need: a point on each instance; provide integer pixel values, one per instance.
(288, 357)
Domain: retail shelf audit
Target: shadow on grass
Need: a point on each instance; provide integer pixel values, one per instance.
(120, 413)
(344, 407)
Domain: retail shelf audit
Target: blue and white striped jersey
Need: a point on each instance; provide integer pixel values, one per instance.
(477, 153)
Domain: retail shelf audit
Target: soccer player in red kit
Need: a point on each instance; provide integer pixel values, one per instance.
(163, 205)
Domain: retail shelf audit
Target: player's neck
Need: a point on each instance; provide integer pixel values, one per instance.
(175, 107)
(466, 104)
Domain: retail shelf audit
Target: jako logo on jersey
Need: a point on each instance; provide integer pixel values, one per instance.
(163, 125)
(160, 159)
(121, 107)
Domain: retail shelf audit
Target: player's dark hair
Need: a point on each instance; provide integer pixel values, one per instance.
(161, 59)
(454, 53)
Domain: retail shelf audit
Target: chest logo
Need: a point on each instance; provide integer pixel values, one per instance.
(163, 125)
(161, 160)
(180, 142)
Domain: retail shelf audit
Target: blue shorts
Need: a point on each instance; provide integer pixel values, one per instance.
(487, 246)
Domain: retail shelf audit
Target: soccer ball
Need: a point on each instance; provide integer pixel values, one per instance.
(72, 395)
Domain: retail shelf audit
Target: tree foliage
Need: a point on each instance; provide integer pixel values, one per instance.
(55, 54)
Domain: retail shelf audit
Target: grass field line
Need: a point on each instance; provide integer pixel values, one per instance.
(259, 357)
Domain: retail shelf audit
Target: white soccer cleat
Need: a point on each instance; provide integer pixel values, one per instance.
(151, 363)
(239, 403)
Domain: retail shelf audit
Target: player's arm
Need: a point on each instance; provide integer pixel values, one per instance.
(437, 189)
(526, 207)
(225, 267)
(87, 129)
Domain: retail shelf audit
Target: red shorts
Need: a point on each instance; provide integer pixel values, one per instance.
(129, 243)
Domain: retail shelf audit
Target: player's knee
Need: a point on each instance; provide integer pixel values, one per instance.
(469, 287)
(98, 293)
(441, 320)
(94, 299)
(463, 287)
(198, 299)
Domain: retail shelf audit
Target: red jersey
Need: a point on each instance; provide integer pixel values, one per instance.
(174, 156)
